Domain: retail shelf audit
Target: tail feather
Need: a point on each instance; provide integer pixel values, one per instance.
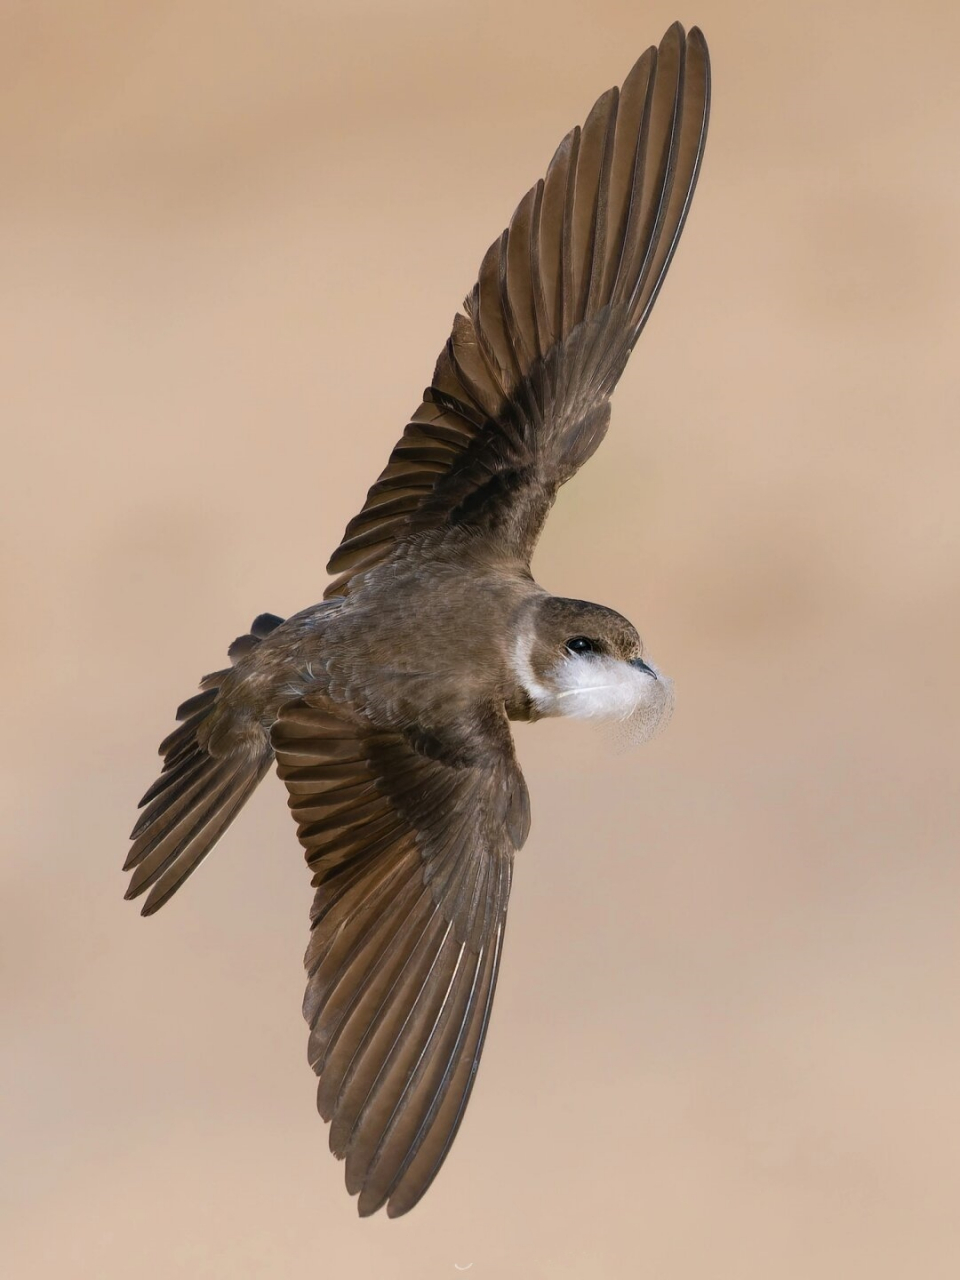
(200, 702)
(168, 793)
(167, 858)
(181, 740)
(177, 766)
(199, 791)
(171, 836)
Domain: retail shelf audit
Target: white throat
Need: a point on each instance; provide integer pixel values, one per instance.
(593, 687)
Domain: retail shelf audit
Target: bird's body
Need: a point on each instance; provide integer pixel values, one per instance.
(387, 706)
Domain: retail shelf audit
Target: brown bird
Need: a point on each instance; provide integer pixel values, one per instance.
(387, 705)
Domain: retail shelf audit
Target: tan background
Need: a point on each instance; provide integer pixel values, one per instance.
(727, 1035)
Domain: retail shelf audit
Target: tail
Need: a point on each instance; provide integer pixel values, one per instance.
(198, 794)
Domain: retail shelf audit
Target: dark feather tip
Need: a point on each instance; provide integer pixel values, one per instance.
(264, 623)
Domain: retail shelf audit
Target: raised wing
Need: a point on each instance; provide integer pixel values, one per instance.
(412, 857)
(519, 398)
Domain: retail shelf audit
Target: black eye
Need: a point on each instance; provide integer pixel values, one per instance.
(582, 644)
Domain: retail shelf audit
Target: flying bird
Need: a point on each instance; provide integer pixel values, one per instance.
(387, 706)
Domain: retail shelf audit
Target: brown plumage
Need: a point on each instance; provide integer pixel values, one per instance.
(387, 704)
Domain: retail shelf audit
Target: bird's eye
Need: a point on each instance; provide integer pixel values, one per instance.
(582, 644)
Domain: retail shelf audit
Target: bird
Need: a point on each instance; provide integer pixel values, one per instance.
(387, 705)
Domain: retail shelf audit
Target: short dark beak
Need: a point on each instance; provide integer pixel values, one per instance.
(639, 665)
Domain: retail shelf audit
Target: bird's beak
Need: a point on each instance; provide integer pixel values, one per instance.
(638, 664)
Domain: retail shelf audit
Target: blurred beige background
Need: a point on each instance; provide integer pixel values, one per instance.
(727, 1034)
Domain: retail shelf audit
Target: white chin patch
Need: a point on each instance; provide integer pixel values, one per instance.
(596, 688)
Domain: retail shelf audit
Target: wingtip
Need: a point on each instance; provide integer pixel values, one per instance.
(699, 78)
(367, 1207)
(134, 891)
(156, 900)
(139, 827)
(697, 41)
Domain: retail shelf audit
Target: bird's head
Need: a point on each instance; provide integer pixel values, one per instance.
(584, 660)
